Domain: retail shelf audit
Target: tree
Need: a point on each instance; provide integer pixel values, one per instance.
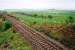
(49, 16)
(70, 19)
(7, 25)
(35, 15)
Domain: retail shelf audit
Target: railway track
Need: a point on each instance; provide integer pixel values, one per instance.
(38, 40)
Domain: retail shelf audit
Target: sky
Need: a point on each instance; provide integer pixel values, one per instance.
(37, 4)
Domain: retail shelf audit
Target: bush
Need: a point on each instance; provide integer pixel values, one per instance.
(35, 15)
(7, 25)
(13, 41)
(49, 16)
(69, 37)
(4, 37)
(70, 20)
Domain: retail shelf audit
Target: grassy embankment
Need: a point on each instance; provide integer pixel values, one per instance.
(10, 40)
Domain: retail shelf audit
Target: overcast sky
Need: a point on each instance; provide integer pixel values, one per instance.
(38, 4)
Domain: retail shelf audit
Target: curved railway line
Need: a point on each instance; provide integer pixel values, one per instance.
(38, 40)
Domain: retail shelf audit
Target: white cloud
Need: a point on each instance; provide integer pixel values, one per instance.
(38, 4)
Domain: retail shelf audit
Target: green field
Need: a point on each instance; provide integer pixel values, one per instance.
(39, 20)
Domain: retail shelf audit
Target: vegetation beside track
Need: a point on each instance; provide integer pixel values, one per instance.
(10, 40)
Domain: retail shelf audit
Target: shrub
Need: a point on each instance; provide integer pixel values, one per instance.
(7, 25)
(49, 16)
(69, 36)
(70, 20)
(4, 37)
(35, 15)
